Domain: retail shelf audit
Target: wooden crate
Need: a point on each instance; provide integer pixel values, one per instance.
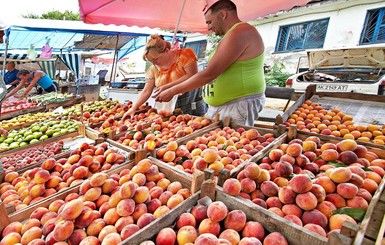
(366, 231)
(128, 156)
(295, 234)
(225, 174)
(5, 218)
(21, 112)
(69, 102)
(352, 101)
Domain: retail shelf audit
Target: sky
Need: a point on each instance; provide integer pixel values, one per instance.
(17, 8)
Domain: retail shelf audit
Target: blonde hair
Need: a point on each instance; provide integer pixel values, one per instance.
(156, 43)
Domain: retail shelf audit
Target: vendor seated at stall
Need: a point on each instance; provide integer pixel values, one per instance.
(10, 77)
(30, 80)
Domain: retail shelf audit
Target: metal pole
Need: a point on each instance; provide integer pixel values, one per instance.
(178, 21)
(2, 83)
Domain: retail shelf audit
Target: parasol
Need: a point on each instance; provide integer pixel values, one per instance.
(183, 15)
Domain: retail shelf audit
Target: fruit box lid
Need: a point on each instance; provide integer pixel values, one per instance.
(362, 57)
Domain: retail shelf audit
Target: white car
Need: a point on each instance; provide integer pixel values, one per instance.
(359, 70)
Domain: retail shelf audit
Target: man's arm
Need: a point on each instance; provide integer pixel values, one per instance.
(13, 91)
(35, 79)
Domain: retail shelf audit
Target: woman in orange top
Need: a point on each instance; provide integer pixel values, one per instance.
(170, 67)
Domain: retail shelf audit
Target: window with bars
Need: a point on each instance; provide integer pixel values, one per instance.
(374, 27)
(306, 35)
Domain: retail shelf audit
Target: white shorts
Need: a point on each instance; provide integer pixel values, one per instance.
(242, 111)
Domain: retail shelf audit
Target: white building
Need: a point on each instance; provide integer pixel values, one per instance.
(321, 24)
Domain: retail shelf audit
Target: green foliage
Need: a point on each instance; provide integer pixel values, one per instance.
(55, 15)
(275, 76)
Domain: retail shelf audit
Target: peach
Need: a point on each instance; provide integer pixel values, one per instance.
(199, 212)
(326, 183)
(309, 145)
(276, 154)
(277, 211)
(286, 195)
(275, 238)
(123, 222)
(111, 216)
(105, 231)
(161, 211)
(174, 187)
(63, 230)
(348, 157)
(145, 219)
(210, 155)
(373, 176)
(316, 228)
(200, 164)
(129, 230)
(187, 234)
(287, 158)
(340, 174)
(292, 209)
(30, 235)
(98, 179)
(330, 155)
(314, 217)
(144, 165)
(128, 190)
(77, 236)
(346, 145)
(38, 213)
(90, 240)
(294, 150)
(232, 187)
(273, 202)
(217, 211)
(370, 185)
(300, 183)
(253, 229)
(336, 221)
(230, 235)
(319, 192)
(140, 209)
(185, 219)
(174, 200)
(293, 218)
(29, 224)
(11, 238)
(41, 176)
(252, 170)
(165, 196)
(112, 239)
(166, 236)
(336, 199)
(15, 226)
(235, 220)
(269, 188)
(95, 227)
(357, 202)
(306, 201)
(85, 218)
(283, 169)
(326, 208)
(109, 185)
(249, 241)
(347, 190)
(92, 194)
(248, 185)
(209, 226)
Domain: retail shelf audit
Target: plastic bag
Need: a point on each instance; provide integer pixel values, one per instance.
(166, 108)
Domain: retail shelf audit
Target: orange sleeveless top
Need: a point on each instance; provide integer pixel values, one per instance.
(184, 58)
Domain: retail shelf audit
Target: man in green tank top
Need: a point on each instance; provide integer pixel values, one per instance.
(233, 82)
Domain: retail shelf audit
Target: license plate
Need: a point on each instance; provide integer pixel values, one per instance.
(332, 87)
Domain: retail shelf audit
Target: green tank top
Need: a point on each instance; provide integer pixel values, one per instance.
(242, 78)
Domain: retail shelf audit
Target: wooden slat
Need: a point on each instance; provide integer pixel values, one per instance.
(375, 222)
(381, 231)
(71, 101)
(166, 220)
(293, 233)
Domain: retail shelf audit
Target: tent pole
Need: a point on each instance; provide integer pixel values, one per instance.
(2, 82)
(178, 21)
(114, 60)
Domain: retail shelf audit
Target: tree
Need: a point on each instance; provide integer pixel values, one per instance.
(55, 15)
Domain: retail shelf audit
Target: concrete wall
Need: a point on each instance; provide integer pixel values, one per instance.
(346, 22)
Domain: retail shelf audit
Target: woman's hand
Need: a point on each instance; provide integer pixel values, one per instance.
(160, 89)
(128, 114)
(164, 96)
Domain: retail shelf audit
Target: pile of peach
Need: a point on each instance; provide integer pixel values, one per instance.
(35, 184)
(162, 132)
(215, 224)
(304, 181)
(312, 117)
(114, 123)
(31, 156)
(107, 209)
(219, 149)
